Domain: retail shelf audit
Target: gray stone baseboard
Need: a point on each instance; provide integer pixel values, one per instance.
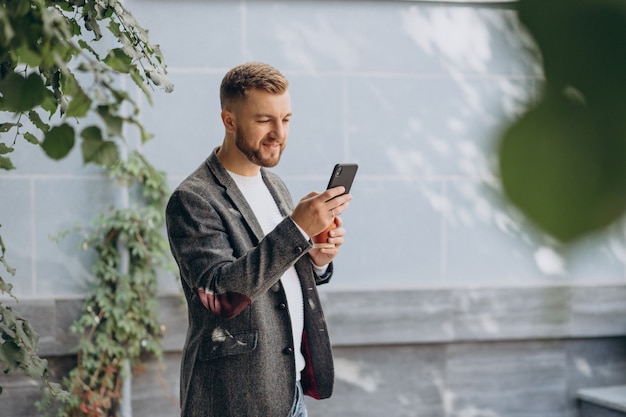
(358, 318)
(497, 352)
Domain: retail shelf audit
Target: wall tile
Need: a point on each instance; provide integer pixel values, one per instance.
(598, 311)
(156, 389)
(329, 36)
(60, 205)
(507, 380)
(380, 253)
(489, 243)
(317, 138)
(19, 394)
(388, 318)
(194, 34)
(431, 125)
(186, 124)
(16, 232)
(368, 383)
(515, 313)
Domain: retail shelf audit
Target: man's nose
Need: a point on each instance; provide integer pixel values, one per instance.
(279, 131)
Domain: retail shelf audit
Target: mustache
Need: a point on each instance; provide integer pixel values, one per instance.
(273, 140)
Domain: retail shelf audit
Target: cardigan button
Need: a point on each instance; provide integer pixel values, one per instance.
(288, 350)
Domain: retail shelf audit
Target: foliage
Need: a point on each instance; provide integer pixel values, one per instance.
(563, 161)
(57, 90)
(18, 342)
(45, 63)
(119, 319)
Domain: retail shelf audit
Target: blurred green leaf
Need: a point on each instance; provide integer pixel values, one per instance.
(21, 94)
(5, 163)
(4, 149)
(112, 122)
(28, 56)
(5, 127)
(31, 138)
(583, 44)
(97, 150)
(139, 81)
(58, 141)
(80, 104)
(562, 162)
(36, 120)
(563, 169)
(118, 60)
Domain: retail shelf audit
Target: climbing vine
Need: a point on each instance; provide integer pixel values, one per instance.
(119, 320)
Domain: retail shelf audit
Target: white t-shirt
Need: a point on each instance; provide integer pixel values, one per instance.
(266, 211)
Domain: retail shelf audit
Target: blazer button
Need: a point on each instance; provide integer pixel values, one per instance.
(298, 250)
(288, 350)
(282, 306)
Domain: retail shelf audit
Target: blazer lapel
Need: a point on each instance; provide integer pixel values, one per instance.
(283, 200)
(239, 201)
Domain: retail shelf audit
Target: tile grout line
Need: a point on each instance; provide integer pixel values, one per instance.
(33, 239)
(444, 210)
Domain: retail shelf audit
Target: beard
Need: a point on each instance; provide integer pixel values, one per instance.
(255, 155)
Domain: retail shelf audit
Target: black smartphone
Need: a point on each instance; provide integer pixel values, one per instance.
(343, 174)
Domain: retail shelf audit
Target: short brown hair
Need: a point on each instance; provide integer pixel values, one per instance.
(252, 75)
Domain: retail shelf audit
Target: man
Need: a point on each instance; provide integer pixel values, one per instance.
(257, 337)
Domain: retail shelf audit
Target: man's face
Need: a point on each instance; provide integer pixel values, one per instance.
(263, 126)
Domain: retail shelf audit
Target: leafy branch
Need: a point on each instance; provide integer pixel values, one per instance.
(43, 55)
(18, 342)
(119, 319)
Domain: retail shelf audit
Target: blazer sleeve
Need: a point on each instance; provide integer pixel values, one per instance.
(212, 246)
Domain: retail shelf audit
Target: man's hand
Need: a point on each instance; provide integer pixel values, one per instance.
(324, 256)
(316, 211)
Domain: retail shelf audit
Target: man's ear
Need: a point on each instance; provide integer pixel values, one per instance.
(228, 118)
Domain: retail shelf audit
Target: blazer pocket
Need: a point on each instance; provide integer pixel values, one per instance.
(225, 343)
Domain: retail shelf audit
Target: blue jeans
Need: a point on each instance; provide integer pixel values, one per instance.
(299, 408)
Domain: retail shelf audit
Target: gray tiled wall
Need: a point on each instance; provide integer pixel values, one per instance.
(415, 92)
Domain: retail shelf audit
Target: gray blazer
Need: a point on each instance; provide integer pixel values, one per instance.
(238, 358)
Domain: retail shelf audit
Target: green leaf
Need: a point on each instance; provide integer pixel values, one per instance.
(50, 102)
(5, 163)
(581, 44)
(83, 44)
(5, 127)
(91, 133)
(563, 168)
(113, 123)
(21, 94)
(69, 84)
(34, 117)
(118, 60)
(28, 56)
(114, 27)
(139, 81)
(4, 149)
(58, 141)
(31, 138)
(98, 151)
(145, 135)
(5, 287)
(80, 104)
